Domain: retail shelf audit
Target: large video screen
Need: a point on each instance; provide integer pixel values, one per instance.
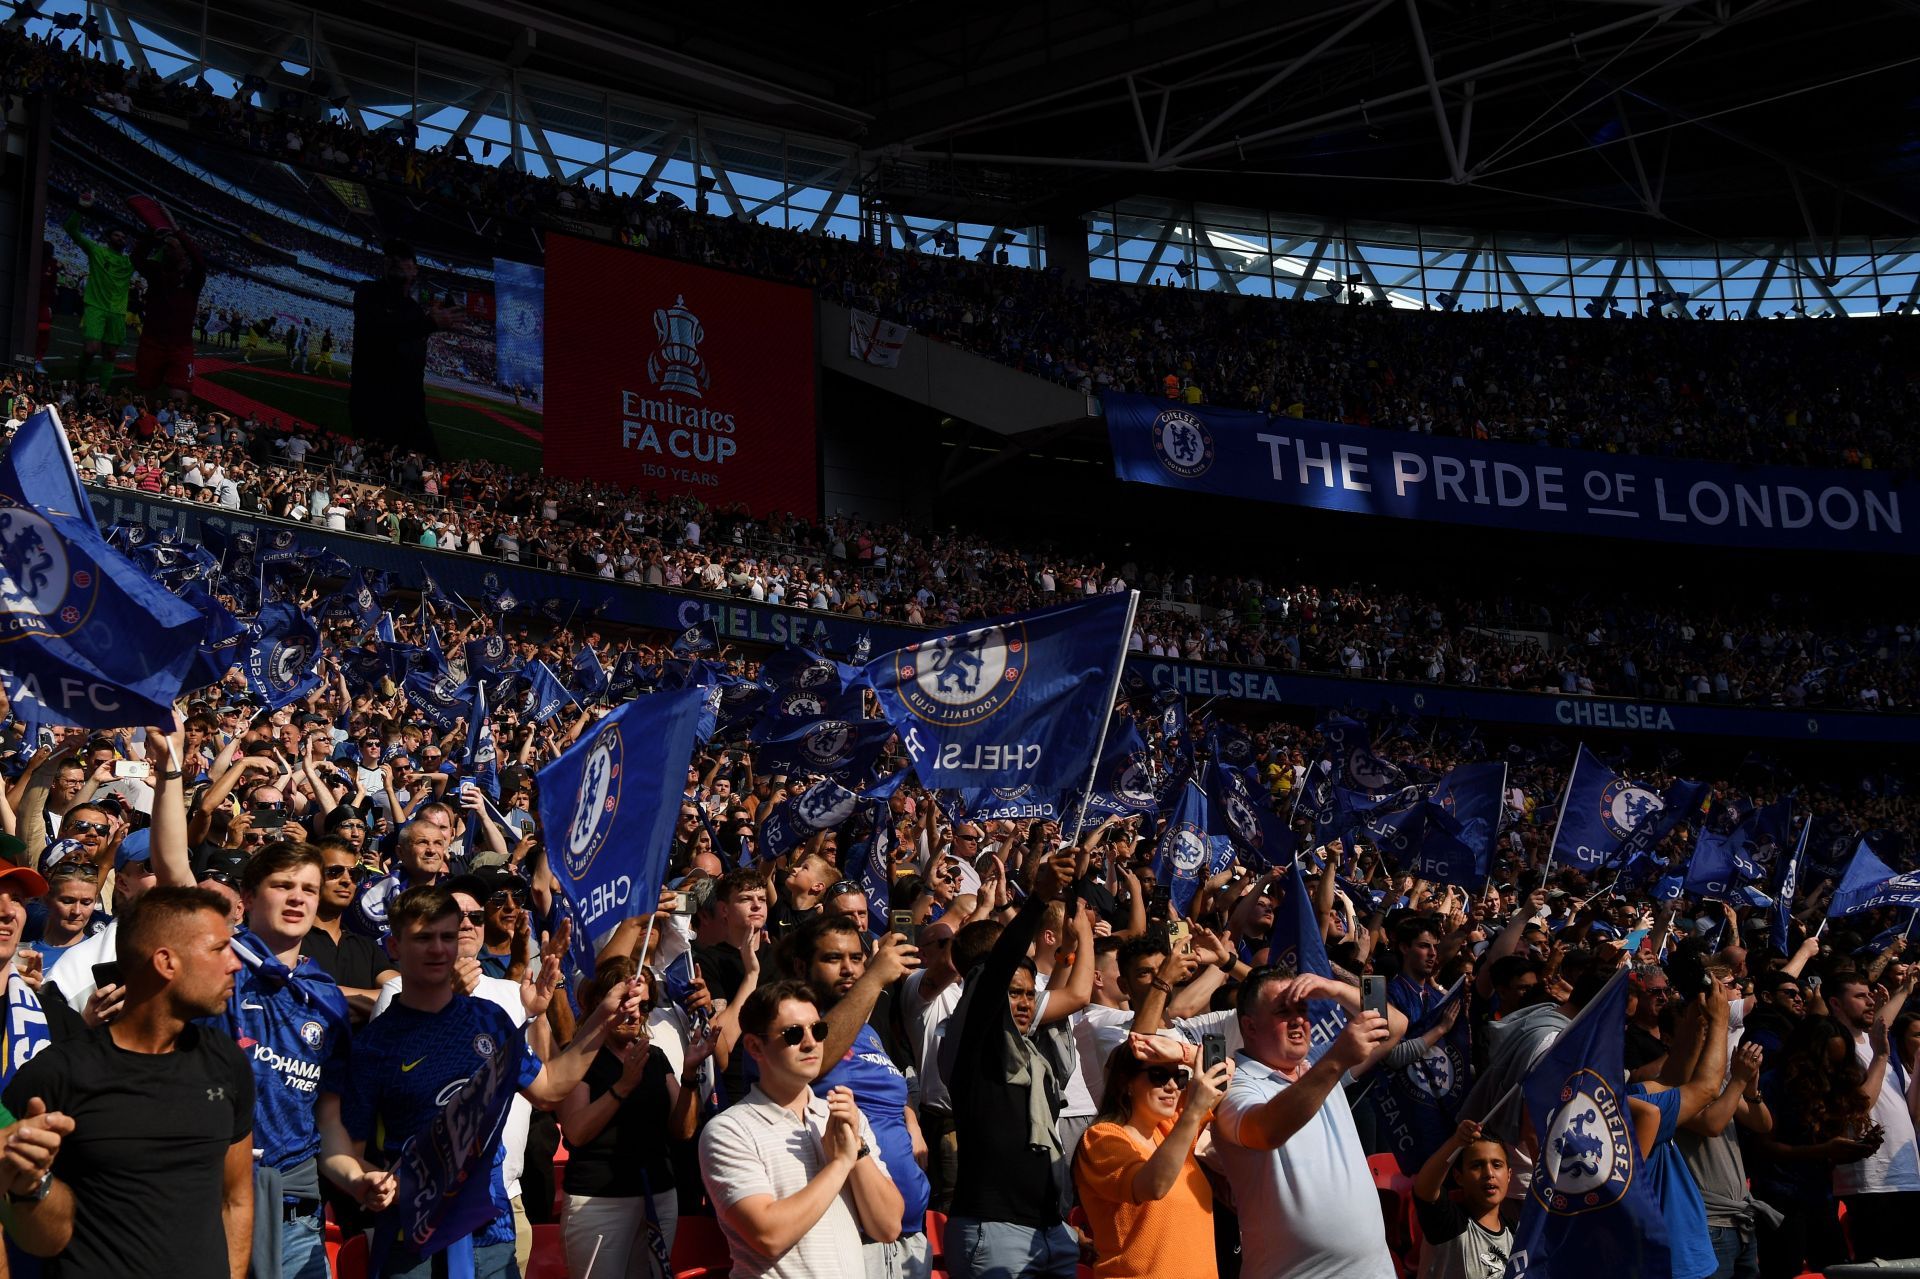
(676, 378)
(285, 245)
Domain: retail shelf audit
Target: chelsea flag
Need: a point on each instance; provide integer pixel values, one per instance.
(1020, 700)
(607, 808)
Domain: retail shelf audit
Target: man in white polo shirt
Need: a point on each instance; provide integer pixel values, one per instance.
(1307, 1204)
(795, 1178)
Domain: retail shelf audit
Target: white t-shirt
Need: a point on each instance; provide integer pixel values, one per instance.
(1305, 1208)
(513, 1136)
(73, 972)
(1896, 1165)
(1075, 1101)
(926, 1022)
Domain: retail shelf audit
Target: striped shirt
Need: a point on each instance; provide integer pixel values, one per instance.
(758, 1147)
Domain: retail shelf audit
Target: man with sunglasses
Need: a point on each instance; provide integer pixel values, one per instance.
(507, 900)
(355, 962)
(794, 1177)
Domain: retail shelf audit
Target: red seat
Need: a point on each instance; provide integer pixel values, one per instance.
(700, 1250)
(548, 1259)
(351, 1261)
(936, 1240)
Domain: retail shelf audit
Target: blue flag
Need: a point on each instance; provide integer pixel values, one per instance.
(1017, 701)
(825, 748)
(701, 637)
(282, 664)
(1124, 781)
(1471, 799)
(1296, 942)
(1181, 859)
(1789, 888)
(608, 808)
(1591, 1211)
(550, 696)
(822, 806)
(436, 655)
(588, 675)
(1355, 765)
(1870, 884)
(441, 698)
(1249, 821)
(1009, 803)
(1420, 1106)
(1683, 802)
(86, 638)
(875, 876)
(430, 591)
(483, 754)
(446, 1185)
(220, 646)
(1719, 863)
(1598, 812)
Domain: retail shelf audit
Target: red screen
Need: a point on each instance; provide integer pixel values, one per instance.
(678, 378)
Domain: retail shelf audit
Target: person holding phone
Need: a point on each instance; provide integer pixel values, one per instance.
(1149, 1206)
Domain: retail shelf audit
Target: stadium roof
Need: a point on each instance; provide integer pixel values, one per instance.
(1688, 118)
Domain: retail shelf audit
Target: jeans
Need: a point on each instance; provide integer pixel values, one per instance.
(303, 1248)
(1003, 1250)
(1738, 1251)
(490, 1261)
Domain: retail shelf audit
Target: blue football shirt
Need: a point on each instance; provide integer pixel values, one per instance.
(291, 1046)
(880, 1090)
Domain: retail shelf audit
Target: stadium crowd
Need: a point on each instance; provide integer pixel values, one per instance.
(1792, 653)
(254, 956)
(1740, 392)
(1035, 1062)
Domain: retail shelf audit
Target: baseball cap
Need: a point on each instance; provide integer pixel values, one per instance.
(61, 850)
(24, 880)
(224, 866)
(136, 847)
(341, 815)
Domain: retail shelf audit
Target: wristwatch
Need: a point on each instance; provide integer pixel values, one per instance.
(38, 1193)
(865, 1150)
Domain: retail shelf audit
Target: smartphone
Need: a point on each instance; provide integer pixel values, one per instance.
(1213, 1051)
(680, 905)
(1373, 994)
(901, 921)
(1180, 936)
(137, 768)
(1159, 902)
(107, 974)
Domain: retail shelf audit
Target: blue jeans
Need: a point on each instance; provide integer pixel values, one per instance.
(490, 1261)
(1738, 1252)
(303, 1248)
(1003, 1250)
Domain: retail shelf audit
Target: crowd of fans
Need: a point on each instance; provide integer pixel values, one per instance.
(1034, 1062)
(1787, 653)
(1830, 394)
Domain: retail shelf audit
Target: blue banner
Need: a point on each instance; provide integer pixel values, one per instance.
(483, 754)
(1184, 853)
(282, 664)
(1297, 943)
(443, 699)
(446, 1189)
(1789, 887)
(1009, 803)
(745, 622)
(608, 808)
(550, 696)
(822, 806)
(1505, 486)
(1597, 813)
(1472, 796)
(1020, 700)
(1590, 1212)
(86, 637)
(1870, 884)
(837, 748)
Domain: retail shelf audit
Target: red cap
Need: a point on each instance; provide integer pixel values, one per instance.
(23, 880)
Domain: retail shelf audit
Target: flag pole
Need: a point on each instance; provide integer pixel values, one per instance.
(1561, 816)
(1106, 719)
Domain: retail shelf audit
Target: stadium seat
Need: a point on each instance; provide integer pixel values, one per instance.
(936, 1240)
(351, 1261)
(548, 1260)
(700, 1250)
(1396, 1210)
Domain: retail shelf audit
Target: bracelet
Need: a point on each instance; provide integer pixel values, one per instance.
(173, 776)
(1161, 986)
(614, 1092)
(1230, 963)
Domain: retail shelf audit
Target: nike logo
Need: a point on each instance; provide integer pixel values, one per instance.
(410, 1065)
(253, 1007)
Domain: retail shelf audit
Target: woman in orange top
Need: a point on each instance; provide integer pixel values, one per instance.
(1149, 1207)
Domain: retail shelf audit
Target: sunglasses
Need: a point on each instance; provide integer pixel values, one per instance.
(358, 874)
(139, 867)
(793, 1035)
(1161, 1076)
(221, 877)
(73, 870)
(508, 895)
(844, 887)
(88, 828)
(478, 918)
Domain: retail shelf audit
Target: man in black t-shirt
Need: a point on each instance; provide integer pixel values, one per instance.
(160, 1161)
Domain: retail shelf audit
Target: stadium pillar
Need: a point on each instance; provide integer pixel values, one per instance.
(23, 214)
(1067, 247)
